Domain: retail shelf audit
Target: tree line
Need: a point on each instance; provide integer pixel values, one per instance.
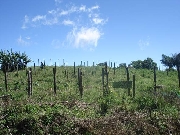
(10, 61)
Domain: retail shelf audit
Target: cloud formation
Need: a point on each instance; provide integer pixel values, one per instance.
(84, 37)
(86, 23)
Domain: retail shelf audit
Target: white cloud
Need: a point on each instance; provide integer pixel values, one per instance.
(143, 43)
(82, 8)
(97, 20)
(39, 18)
(25, 21)
(84, 37)
(93, 8)
(86, 24)
(22, 42)
(68, 22)
(64, 13)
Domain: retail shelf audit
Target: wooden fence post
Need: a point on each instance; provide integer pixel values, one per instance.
(29, 83)
(154, 79)
(54, 76)
(114, 68)
(105, 80)
(78, 75)
(134, 86)
(80, 84)
(74, 68)
(34, 66)
(44, 64)
(31, 79)
(127, 72)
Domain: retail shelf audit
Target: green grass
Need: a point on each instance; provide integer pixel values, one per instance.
(67, 113)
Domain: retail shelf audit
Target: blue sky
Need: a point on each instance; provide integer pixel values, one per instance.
(120, 31)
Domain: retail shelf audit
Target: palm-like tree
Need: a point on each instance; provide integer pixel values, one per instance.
(12, 60)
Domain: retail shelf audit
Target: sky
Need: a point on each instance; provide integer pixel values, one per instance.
(119, 31)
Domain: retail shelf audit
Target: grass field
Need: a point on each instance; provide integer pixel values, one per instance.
(67, 113)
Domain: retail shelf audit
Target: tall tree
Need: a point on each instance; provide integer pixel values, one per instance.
(9, 60)
(146, 64)
(167, 61)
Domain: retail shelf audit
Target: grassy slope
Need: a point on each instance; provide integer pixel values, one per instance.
(67, 113)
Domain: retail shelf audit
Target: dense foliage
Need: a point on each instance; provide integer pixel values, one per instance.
(145, 64)
(10, 60)
(170, 62)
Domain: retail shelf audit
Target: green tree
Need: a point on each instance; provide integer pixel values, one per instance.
(10, 61)
(167, 61)
(137, 64)
(148, 64)
(145, 64)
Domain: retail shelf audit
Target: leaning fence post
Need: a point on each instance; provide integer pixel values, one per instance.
(54, 76)
(134, 86)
